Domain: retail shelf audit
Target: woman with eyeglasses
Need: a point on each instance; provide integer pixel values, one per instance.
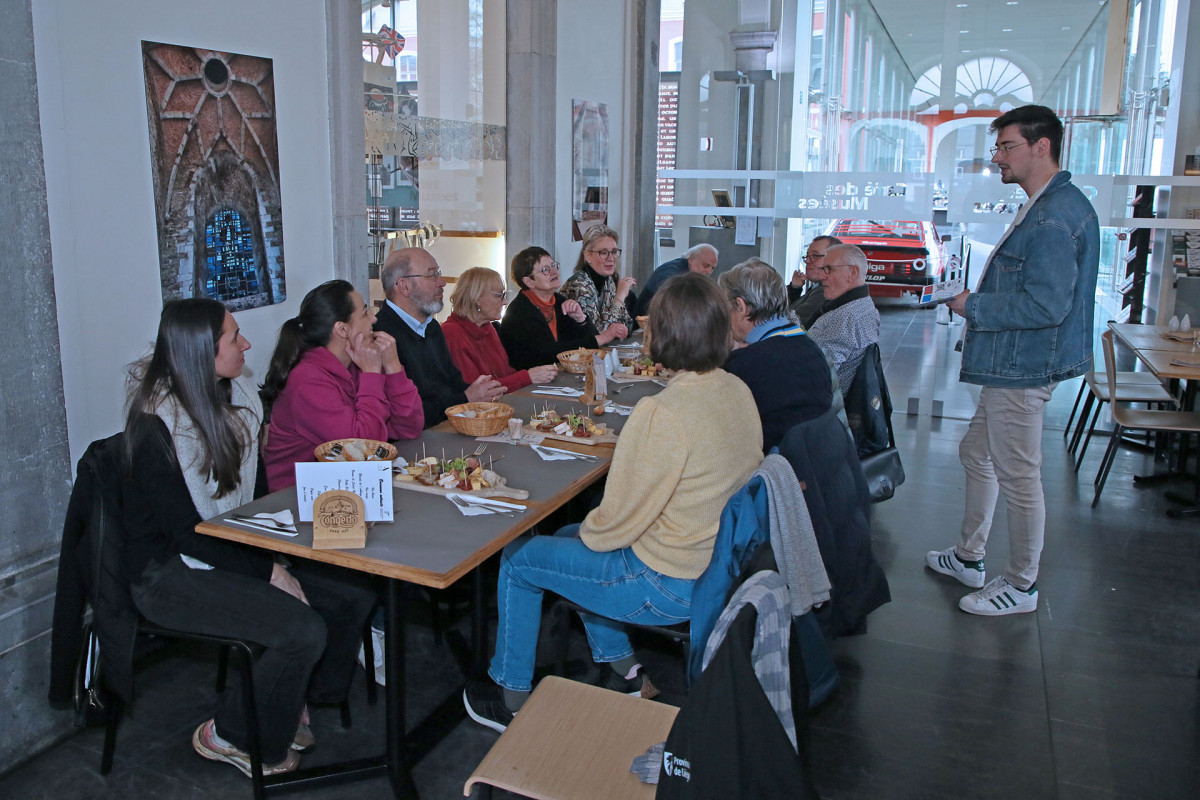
(472, 338)
(540, 323)
(606, 298)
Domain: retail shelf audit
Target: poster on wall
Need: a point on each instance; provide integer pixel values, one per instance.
(589, 166)
(214, 157)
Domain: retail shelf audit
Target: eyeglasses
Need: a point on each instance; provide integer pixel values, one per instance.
(825, 269)
(550, 270)
(1004, 148)
(435, 274)
(813, 257)
(497, 295)
(607, 253)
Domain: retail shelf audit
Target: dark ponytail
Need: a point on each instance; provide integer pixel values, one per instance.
(320, 310)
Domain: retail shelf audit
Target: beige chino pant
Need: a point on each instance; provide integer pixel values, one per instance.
(1002, 450)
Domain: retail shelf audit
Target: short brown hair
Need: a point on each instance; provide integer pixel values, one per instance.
(472, 285)
(689, 324)
(524, 262)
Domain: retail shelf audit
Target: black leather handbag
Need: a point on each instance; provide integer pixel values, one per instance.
(869, 411)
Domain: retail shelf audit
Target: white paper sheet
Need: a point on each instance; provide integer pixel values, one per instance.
(370, 480)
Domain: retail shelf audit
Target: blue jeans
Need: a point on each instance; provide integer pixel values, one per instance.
(615, 585)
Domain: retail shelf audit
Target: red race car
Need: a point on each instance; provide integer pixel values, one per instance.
(902, 255)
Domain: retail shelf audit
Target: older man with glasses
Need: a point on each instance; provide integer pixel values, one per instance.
(414, 287)
(849, 321)
(805, 292)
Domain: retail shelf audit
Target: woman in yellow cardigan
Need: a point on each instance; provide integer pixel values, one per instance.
(635, 558)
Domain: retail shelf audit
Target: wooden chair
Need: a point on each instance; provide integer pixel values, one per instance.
(1093, 379)
(572, 741)
(1132, 387)
(1124, 418)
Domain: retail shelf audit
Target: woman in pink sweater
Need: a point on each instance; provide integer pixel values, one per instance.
(474, 344)
(333, 377)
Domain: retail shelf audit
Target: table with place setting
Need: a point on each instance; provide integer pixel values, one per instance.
(436, 538)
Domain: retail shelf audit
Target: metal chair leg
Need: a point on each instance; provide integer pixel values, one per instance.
(250, 710)
(115, 707)
(1082, 388)
(1106, 463)
(1091, 430)
(369, 662)
(1079, 425)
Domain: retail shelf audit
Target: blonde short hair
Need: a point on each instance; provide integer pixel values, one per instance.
(471, 286)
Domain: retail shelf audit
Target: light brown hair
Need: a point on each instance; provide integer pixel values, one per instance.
(472, 285)
(689, 324)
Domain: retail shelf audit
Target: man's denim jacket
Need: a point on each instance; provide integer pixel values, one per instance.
(1030, 321)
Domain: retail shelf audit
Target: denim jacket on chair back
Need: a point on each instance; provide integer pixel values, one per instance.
(1030, 321)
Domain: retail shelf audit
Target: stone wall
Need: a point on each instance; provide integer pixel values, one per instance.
(35, 469)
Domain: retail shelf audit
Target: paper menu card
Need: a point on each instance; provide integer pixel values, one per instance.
(370, 480)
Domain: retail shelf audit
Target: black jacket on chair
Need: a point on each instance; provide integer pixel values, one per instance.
(823, 456)
(90, 573)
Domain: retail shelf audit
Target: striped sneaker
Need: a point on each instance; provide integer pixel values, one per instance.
(947, 562)
(1000, 597)
(204, 742)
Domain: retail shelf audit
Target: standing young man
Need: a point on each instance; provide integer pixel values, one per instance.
(1028, 327)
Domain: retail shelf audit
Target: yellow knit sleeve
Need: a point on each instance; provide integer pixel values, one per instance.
(647, 466)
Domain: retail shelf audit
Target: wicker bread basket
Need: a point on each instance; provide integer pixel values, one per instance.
(345, 450)
(577, 361)
(489, 419)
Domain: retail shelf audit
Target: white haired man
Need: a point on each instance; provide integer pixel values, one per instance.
(701, 259)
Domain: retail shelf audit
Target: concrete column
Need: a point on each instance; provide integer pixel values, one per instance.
(531, 87)
(1181, 138)
(35, 471)
(643, 142)
(347, 137)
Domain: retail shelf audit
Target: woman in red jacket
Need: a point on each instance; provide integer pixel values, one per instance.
(474, 344)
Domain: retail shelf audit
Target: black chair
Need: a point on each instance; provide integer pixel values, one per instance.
(90, 576)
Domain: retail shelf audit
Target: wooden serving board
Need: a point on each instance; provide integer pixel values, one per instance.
(501, 490)
(608, 437)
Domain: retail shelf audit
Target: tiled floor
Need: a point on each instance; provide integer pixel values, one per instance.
(1094, 696)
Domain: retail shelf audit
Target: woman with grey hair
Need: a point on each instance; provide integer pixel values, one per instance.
(786, 371)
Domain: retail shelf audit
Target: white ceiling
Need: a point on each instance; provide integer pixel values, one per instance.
(1036, 35)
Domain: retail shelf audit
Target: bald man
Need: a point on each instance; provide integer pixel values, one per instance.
(701, 259)
(412, 281)
(849, 321)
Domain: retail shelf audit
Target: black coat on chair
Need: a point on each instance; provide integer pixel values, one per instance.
(823, 456)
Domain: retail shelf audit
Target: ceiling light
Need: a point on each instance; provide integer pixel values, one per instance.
(964, 5)
(964, 31)
(1006, 30)
(1003, 49)
(1011, 3)
(1066, 27)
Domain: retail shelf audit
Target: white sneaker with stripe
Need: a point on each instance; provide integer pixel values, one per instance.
(947, 562)
(1000, 597)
